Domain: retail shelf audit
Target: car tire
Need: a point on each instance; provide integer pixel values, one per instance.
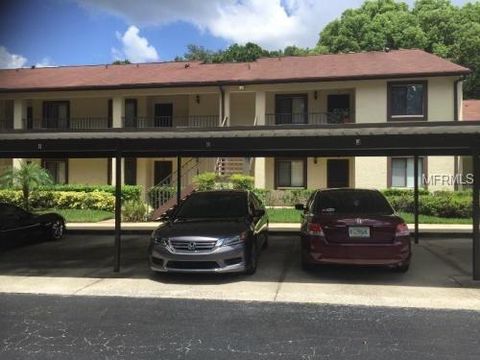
(252, 259)
(57, 230)
(306, 266)
(265, 241)
(402, 268)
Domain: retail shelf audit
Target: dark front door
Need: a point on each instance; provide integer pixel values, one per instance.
(161, 170)
(338, 173)
(163, 115)
(130, 171)
(131, 113)
(338, 107)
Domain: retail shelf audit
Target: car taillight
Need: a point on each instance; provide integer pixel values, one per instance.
(402, 230)
(315, 230)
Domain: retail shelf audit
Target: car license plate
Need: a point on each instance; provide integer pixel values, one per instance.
(359, 231)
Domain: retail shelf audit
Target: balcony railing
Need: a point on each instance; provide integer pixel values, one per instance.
(166, 122)
(322, 118)
(197, 121)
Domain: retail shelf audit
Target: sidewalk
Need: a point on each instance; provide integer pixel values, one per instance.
(109, 225)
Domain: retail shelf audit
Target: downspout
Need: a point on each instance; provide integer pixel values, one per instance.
(455, 118)
(222, 104)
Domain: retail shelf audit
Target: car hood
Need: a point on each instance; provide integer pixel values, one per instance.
(207, 228)
(48, 217)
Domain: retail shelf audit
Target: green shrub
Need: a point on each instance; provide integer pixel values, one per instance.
(129, 192)
(205, 181)
(264, 195)
(296, 196)
(403, 192)
(242, 182)
(134, 211)
(95, 200)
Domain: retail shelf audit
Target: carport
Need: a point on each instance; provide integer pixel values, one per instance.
(386, 139)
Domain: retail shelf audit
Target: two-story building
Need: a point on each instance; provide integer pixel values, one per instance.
(323, 90)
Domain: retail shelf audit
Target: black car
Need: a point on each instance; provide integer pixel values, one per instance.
(18, 226)
(211, 231)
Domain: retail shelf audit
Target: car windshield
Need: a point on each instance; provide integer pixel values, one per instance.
(352, 202)
(213, 205)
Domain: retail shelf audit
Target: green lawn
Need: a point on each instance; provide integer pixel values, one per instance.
(76, 215)
(293, 216)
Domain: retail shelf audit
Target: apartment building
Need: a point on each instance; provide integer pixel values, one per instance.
(313, 91)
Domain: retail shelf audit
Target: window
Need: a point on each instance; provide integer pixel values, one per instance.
(402, 172)
(290, 173)
(407, 101)
(56, 114)
(291, 109)
(58, 170)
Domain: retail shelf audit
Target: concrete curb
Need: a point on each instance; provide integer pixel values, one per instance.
(107, 227)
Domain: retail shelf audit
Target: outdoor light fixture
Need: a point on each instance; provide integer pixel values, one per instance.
(315, 161)
(315, 94)
(241, 87)
(197, 99)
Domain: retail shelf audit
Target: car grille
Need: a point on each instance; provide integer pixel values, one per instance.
(192, 265)
(189, 245)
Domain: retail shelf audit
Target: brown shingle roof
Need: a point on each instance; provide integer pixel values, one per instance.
(368, 65)
(471, 110)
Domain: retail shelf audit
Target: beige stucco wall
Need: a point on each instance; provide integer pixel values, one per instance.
(440, 165)
(4, 165)
(371, 172)
(88, 171)
(242, 109)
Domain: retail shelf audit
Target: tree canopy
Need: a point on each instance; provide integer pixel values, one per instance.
(437, 26)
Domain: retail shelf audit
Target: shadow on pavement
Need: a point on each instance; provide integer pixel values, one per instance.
(436, 263)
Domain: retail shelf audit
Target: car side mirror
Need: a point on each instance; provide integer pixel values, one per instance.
(300, 207)
(167, 214)
(259, 212)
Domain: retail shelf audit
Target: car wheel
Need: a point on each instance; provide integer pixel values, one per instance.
(57, 230)
(265, 241)
(306, 266)
(252, 260)
(402, 268)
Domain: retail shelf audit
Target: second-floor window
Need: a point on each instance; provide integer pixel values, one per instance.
(291, 109)
(56, 114)
(407, 100)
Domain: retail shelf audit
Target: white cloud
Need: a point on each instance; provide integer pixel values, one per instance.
(45, 62)
(273, 24)
(134, 47)
(10, 61)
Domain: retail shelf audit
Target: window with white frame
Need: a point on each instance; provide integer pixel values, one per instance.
(402, 174)
(290, 173)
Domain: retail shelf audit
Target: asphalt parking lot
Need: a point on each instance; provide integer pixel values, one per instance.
(82, 265)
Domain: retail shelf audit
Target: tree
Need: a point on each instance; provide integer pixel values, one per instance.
(197, 53)
(241, 53)
(436, 26)
(121, 62)
(27, 176)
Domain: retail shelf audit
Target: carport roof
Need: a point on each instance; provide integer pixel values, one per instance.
(449, 138)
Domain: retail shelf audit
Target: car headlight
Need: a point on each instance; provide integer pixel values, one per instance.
(162, 241)
(234, 240)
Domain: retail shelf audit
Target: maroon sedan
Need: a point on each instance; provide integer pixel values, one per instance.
(353, 227)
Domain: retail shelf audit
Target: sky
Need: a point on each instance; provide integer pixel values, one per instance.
(73, 32)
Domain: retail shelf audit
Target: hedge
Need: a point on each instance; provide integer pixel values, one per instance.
(94, 200)
(129, 192)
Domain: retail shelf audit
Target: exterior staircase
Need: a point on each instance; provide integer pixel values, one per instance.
(163, 195)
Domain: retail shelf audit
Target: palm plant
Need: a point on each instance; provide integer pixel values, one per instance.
(27, 176)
